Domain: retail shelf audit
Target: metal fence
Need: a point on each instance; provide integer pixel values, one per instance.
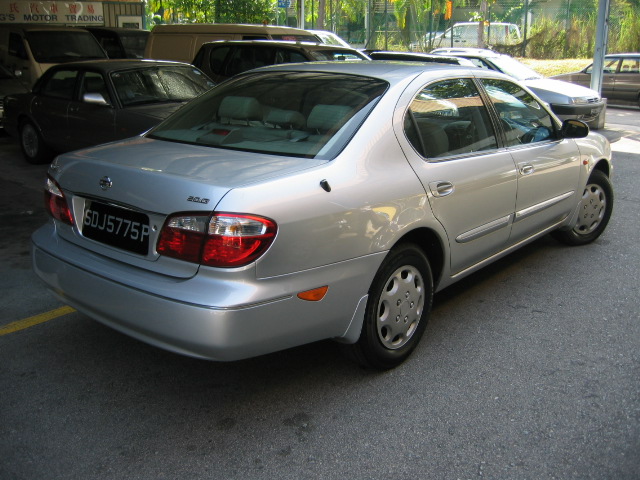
(547, 29)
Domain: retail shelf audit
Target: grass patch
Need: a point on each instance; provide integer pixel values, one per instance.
(549, 68)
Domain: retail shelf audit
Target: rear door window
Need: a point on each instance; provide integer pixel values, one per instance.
(248, 57)
(217, 57)
(610, 66)
(449, 118)
(630, 65)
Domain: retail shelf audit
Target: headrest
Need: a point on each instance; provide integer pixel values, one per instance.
(326, 117)
(240, 108)
(285, 118)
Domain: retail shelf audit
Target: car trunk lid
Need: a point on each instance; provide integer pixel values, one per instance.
(141, 181)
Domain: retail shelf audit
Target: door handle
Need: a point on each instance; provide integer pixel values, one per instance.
(441, 188)
(526, 169)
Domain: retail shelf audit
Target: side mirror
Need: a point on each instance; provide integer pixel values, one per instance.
(94, 98)
(574, 129)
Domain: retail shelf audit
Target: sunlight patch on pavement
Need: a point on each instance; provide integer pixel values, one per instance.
(626, 145)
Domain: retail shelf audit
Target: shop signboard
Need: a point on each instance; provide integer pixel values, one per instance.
(51, 12)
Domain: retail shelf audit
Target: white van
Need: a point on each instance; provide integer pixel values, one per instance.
(465, 34)
(28, 51)
(181, 42)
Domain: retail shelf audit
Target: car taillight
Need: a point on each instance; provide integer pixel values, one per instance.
(56, 203)
(218, 240)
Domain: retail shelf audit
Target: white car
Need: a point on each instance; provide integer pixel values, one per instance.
(567, 100)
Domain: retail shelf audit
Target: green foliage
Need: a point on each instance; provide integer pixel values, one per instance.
(245, 11)
(628, 26)
(209, 11)
(551, 39)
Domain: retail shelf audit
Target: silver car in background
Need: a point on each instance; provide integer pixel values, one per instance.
(303, 202)
(567, 100)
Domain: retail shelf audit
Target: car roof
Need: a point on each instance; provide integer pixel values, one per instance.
(390, 71)
(110, 65)
(283, 43)
(102, 28)
(478, 52)
(417, 56)
(226, 28)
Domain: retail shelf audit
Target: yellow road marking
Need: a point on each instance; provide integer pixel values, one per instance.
(35, 320)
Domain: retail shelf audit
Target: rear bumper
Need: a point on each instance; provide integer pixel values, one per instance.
(259, 317)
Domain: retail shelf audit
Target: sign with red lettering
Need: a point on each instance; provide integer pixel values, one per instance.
(51, 12)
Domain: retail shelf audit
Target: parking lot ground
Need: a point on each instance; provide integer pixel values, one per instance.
(529, 369)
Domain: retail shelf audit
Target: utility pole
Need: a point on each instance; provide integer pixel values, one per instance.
(602, 30)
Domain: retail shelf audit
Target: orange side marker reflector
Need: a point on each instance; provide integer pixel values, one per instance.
(314, 295)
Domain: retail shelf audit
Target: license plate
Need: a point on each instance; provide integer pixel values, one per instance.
(115, 226)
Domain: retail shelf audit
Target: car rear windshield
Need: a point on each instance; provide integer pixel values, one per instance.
(159, 84)
(304, 114)
(337, 55)
(59, 46)
(515, 69)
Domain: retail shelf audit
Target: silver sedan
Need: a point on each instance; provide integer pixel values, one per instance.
(311, 201)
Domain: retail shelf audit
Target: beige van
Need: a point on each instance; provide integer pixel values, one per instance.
(29, 50)
(182, 41)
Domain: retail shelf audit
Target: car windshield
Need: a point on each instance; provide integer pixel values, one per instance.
(59, 46)
(159, 84)
(514, 68)
(304, 114)
(294, 37)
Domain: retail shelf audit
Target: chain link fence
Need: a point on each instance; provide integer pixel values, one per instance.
(551, 29)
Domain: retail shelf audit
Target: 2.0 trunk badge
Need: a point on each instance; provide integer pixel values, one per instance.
(105, 182)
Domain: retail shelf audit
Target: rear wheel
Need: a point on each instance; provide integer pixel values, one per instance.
(595, 210)
(397, 310)
(33, 148)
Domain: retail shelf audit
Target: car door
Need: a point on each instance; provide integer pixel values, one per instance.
(51, 105)
(471, 184)
(609, 70)
(548, 166)
(91, 123)
(627, 81)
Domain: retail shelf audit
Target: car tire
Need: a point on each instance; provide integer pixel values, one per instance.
(595, 207)
(33, 147)
(397, 309)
